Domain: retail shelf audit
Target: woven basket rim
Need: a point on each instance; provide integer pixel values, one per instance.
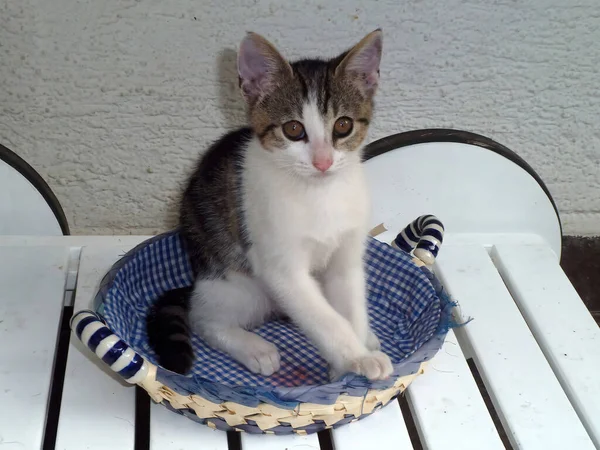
(262, 418)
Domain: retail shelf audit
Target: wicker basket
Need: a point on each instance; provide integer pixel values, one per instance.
(225, 396)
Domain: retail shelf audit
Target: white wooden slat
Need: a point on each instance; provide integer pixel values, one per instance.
(383, 430)
(32, 281)
(97, 410)
(529, 399)
(288, 442)
(562, 325)
(170, 431)
(447, 406)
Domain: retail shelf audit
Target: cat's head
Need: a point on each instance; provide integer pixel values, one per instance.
(311, 116)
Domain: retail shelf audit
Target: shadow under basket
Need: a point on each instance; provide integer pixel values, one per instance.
(408, 310)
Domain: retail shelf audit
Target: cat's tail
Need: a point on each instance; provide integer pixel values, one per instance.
(169, 331)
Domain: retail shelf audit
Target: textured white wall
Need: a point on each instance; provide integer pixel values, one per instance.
(112, 100)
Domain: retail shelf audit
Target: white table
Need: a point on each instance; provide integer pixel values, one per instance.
(534, 344)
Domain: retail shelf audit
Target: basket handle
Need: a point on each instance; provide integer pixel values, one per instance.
(423, 235)
(91, 330)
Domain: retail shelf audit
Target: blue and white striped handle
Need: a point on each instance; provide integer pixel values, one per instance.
(111, 349)
(423, 237)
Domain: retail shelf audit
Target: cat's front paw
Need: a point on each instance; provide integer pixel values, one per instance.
(373, 343)
(263, 358)
(375, 365)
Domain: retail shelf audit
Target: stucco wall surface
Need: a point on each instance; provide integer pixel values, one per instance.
(112, 100)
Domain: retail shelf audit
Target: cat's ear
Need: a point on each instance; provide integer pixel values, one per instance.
(361, 63)
(260, 67)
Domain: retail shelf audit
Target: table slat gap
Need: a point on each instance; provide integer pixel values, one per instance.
(57, 383)
(73, 270)
(495, 416)
(414, 431)
(325, 440)
(142, 419)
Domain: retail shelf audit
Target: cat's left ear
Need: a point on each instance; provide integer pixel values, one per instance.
(361, 63)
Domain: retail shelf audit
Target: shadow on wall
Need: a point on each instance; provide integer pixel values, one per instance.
(172, 213)
(231, 102)
(232, 107)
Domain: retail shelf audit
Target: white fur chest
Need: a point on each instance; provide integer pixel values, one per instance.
(331, 209)
(284, 213)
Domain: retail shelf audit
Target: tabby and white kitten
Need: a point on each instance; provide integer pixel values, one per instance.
(275, 218)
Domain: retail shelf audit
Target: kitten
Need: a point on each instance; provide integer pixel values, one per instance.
(275, 218)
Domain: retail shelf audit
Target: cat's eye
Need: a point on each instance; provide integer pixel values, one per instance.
(342, 127)
(294, 130)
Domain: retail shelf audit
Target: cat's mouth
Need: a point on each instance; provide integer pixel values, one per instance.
(318, 174)
(309, 172)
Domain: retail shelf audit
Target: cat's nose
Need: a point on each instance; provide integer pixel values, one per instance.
(322, 164)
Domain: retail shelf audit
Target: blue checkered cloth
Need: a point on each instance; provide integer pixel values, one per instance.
(404, 309)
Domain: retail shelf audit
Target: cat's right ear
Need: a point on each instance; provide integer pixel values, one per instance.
(361, 63)
(260, 67)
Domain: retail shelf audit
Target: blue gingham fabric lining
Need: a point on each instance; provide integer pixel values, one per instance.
(404, 310)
